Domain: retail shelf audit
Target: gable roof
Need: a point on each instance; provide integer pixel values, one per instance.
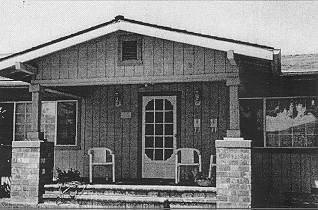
(124, 24)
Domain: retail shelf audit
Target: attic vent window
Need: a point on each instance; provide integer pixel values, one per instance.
(129, 50)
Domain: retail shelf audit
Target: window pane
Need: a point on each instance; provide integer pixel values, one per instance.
(149, 129)
(129, 50)
(20, 108)
(168, 105)
(149, 153)
(159, 142)
(169, 129)
(150, 105)
(168, 142)
(20, 118)
(168, 153)
(159, 154)
(149, 117)
(169, 117)
(29, 108)
(66, 123)
(159, 104)
(159, 117)
(149, 142)
(159, 129)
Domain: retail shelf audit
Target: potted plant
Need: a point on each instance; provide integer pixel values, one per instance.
(63, 176)
(201, 179)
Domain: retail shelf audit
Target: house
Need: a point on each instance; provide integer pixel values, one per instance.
(142, 90)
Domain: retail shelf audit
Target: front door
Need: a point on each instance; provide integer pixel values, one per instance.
(158, 136)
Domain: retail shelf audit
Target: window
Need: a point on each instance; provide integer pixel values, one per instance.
(286, 122)
(58, 121)
(129, 50)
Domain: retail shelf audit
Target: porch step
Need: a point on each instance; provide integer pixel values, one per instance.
(136, 195)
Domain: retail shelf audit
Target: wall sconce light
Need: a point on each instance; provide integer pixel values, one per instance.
(197, 98)
(117, 100)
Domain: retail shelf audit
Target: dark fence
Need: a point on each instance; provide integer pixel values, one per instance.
(5, 170)
(283, 177)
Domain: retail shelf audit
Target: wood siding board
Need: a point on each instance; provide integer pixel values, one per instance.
(40, 69)
(58, 159)
(168, 57)
(189, 138)
(96, 118)
(64, 64)
(209, 62)
(199, 60)
(104, 116)
(305, 173)
(133, 143)
(73, 159)
(148, 55)
(182, 112)
(129, 71)
(126, 131)
(220, 58)
(207, 140)
(101, 58)
(286, 175)
(258, 191)
(73, 62)
(82, 61)
(178, 56)
(46, 68)
(223, 117)
(295, 164)
(314, 169)
(80, 163)
(110, 56)
(188, 59)
(118, 135)
(267, 173)
(157, 57)
(91, 59)
(55, 62)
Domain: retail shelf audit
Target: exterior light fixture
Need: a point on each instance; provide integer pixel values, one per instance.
(117, 100)
(197, 98)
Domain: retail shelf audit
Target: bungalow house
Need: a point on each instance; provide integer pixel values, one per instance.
(143, 91)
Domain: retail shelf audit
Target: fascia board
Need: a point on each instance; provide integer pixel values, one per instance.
(197, 40)
(144, 30)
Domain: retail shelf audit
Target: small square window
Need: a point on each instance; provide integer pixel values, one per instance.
(129, 50)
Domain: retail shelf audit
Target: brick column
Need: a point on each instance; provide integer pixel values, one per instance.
(32, 164)
(233, 173)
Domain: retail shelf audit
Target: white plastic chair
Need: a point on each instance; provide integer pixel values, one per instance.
(100, 156)
(186, 157)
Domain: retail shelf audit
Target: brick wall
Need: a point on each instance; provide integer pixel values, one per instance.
(233, 173)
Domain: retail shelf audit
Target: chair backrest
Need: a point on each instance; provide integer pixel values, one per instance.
(101, 155)
(188, 155)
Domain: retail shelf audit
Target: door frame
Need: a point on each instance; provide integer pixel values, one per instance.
(140, 109)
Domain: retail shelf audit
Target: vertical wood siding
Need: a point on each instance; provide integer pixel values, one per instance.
(98, 59)
(278, 172)
(102, 126)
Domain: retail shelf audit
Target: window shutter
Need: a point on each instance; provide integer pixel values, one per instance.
(129, 50)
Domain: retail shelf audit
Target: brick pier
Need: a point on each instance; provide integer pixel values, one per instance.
(233, 173)
(32, 163)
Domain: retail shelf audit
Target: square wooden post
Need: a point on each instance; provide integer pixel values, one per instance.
(234, 131)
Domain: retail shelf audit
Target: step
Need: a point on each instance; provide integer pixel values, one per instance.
(151, 196)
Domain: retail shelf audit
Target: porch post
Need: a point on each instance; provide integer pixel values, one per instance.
(32, 159)
(234, 131)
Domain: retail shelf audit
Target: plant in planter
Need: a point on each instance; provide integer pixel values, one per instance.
(201, 179)
(63, 176)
